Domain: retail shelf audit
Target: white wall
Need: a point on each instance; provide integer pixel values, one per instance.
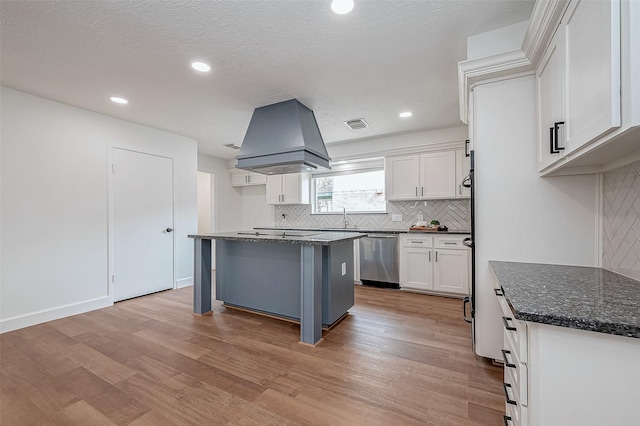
(237, 208)
(374, 147)
(54, 218)
(520, 216)
(498, 41)
(205, 224)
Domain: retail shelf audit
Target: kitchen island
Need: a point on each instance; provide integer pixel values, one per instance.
(294, 275)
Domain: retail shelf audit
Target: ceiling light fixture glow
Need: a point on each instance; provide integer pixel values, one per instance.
(406, 114)
(200, 66)
(342, 7)
(119, 100)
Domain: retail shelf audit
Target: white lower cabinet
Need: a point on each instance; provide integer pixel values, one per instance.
(561, 376)
(425, 266)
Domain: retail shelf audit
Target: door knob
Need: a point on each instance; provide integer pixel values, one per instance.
(169, 229)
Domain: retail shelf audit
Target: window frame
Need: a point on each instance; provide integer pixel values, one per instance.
(361, 166)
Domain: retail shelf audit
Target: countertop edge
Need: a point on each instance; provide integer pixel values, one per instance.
(279, 240)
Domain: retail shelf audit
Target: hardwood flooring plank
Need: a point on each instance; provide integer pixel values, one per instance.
(397, 359)
(82, 413)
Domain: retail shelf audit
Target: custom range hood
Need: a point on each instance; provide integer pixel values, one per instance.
(283, 138)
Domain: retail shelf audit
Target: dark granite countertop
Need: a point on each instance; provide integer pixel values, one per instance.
(282, 236)
(584, 298)
(366, 230)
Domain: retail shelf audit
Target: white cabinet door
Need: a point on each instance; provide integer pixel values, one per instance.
(549, 81)
(592, 32)
(274, 189)
(462, 170)
(291, 188)
(417, 269)
(402, 177)
(438, 175)
(239, 179)
(451, 273)
(247, 178)
(257, 179)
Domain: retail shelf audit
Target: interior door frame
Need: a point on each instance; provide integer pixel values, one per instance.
(110, 224)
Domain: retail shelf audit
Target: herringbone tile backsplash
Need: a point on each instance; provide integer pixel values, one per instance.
(455, 214)
(621, 222)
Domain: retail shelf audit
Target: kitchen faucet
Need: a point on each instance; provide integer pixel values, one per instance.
(345, 222)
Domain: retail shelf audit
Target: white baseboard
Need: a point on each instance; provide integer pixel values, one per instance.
(184, 282)
(33, 318)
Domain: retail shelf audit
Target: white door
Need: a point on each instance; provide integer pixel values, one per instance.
(142, 223)
(291, 188)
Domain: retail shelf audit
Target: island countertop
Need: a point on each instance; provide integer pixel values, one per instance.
(367, 230)
(283, 236)
(585, 298)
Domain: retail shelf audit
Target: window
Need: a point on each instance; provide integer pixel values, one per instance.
(355, 191)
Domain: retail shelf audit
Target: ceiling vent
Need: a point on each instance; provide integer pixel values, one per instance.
(232, 146)
(356, 124)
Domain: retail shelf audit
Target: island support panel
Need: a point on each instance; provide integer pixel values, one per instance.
(311, 300)
(202, 277)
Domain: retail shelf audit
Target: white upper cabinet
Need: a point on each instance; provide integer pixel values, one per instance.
(550, 87)
(292, 188)
(244, 178)
(438, 175)
(421, 176)
(402, 177)
(579, 84)
(592, 42)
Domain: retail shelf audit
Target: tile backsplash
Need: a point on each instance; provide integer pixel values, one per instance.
(455, 214)
(621, 221)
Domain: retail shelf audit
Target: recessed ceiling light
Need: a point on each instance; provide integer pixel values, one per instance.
(406, 114)
(342, 6)
(200, 66)
(119, 100)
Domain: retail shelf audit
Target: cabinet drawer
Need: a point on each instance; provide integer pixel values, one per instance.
(514, 330)
(515, 373)
(515, 416)
(449, 242)
(416, 241)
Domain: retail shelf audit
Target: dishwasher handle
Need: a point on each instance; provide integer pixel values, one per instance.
(381, 236)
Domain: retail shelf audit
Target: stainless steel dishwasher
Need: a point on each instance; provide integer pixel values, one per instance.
(379, 260)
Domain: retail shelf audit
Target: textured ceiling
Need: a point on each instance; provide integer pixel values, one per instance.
(383, 58)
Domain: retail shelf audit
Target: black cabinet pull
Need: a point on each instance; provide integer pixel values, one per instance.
(506, 394)
(498, 292)
(507, 419)
(506, 361)
(506, 320)
(465, 302)
(551, 144)
(466, 147)
(556, 126)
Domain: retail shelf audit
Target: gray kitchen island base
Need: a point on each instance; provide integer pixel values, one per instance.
(302, 279)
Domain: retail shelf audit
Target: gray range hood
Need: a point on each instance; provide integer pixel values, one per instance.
(283, 138)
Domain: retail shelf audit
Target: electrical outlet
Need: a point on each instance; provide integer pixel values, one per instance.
(344, 268)
(396, 218)
(420, 218)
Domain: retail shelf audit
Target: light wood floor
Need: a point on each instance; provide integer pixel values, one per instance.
(398, 359)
